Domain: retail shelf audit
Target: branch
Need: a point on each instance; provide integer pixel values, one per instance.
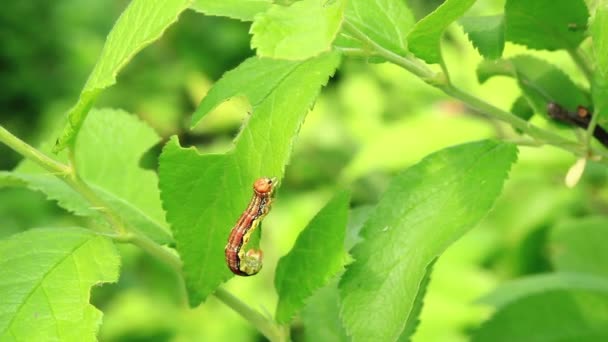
(442, 82)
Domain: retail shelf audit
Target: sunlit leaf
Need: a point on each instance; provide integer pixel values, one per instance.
(302, 30)
(204, 195)
(45, 280)
(143, 22)
(425, 38)
(386, 22)
(255, 78)
(244, 10)
(424, 210)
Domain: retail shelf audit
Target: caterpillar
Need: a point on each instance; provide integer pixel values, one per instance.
(239, 261)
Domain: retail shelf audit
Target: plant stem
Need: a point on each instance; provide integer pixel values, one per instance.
(33, 154)
(580, 61)
(534, 132)
(412, 65)
(442, 82)
(591, 129)
(268, 328)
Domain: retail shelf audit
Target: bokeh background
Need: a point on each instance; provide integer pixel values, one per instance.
(371, 121)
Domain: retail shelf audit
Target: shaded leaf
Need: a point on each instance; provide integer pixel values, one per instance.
(204, 195)
(302, 30)
(321, 315)
(546, 24)
(317, 256)
(579, 246)
(540, 82)
(405, 232)
(143, 22)
(518, 289)
(487, 33)
(559, 315)
(45, 280)
(244, 10)
(521, 107)
(425, 38)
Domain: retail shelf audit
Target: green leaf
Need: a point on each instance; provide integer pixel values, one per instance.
(244, 10)
(356, 220)
(204, 195)
(413, 319)
(317, 256)
(521, 107)
(321, 316)
(546, 24)
(143, 22)
(516, 290)
(424, 210)
(45, 281)
(579, 246)
(425, 38)
(256, 78)
(560, 315)
(487, 33)
(386, 22)
(302, 30)
(540, 82)
(107, 155)
(599, 35)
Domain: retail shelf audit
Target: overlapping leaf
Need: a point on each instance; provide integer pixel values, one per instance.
(107, 157)
(316, 257)
(302, 30)
(45, 281)
(205, 194)
(425, 209)
(425, 38)
(143, 22)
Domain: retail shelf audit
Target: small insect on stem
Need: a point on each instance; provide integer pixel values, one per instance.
(248, 263)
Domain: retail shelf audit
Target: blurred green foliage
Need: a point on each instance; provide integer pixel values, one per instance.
(371, 121)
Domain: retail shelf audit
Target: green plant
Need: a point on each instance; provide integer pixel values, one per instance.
(95, 173)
